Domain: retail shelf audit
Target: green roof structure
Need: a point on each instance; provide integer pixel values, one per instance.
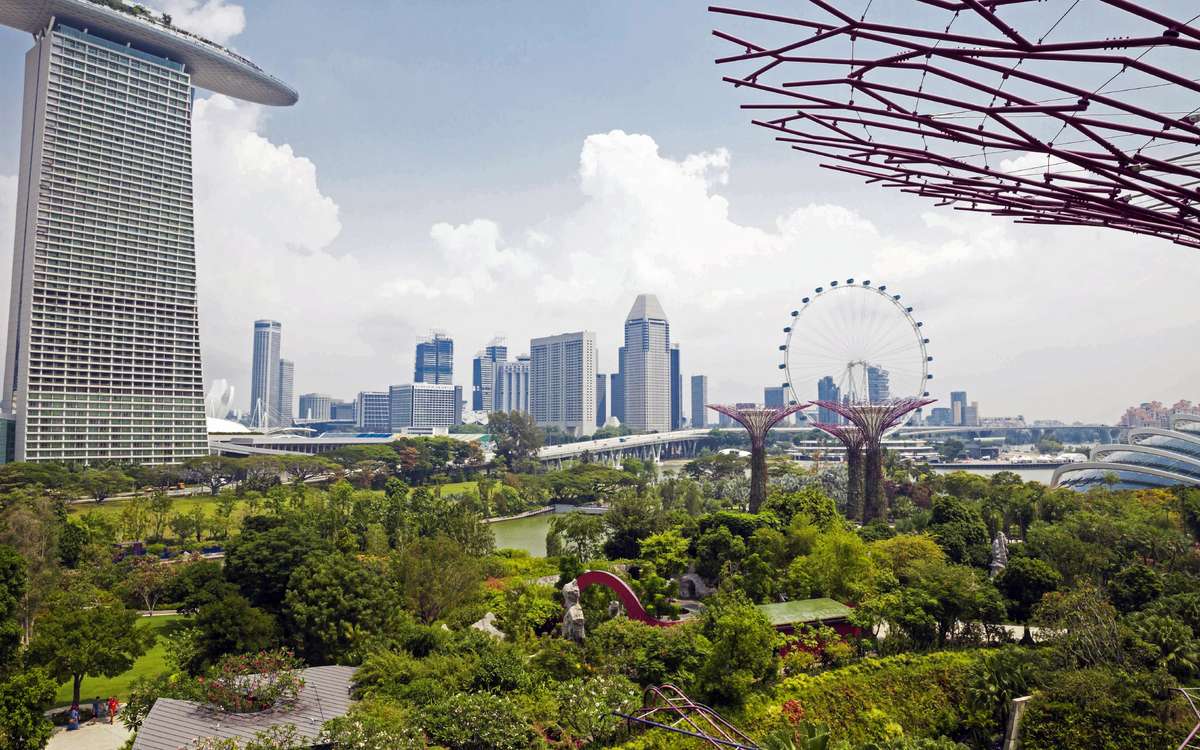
(805, 611)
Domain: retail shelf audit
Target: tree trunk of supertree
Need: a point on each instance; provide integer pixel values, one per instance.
(874, 501)
(854, 483)
(758, 475)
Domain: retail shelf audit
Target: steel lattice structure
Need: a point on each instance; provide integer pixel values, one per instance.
(758, 422)
(668, 708)
(997, 106)
(872, 422)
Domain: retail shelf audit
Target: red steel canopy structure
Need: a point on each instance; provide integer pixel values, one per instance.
(1048, 111)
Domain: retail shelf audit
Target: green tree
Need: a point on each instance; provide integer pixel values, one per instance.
(24, 696)
(630, 519)
(516, 438)
(1024, 582)
(667, 551)
(160, 510)
(102, 484)
(230, 625)
(214, 472)
(743, 650)
(85, 631)
(435, 575)
(332, 603)
(960, 531)
(1134, 587)
(261, 559)
(579, 534)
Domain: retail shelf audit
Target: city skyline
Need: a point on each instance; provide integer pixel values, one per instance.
(311, 207)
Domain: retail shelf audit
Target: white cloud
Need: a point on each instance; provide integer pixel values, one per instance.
(211, 19)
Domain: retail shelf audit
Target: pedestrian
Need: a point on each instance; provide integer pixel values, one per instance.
(112, 708)
(73, 718)
(95, 709)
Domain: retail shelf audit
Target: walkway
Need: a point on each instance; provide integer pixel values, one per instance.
(91, 737)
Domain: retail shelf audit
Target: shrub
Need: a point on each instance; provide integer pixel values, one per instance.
(477, 721)
(876, 699)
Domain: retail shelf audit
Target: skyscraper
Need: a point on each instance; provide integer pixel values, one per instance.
(287, 384)
(647, 373)
(435, 359)
(699, 401)
(511, 389)
(601, 399)
(372, 411)
(342, 410)
(103, 356)
(424, 406)
(264, 374)
(827, 390)
(483, 374)
(618, 387)
(562, 382)
(676, 390)
(878, 388)
(958, 407)
(316, 406)
(774, 397)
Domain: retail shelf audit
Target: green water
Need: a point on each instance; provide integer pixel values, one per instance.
(527, 533)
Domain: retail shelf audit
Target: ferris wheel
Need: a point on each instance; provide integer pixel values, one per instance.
(852, 342)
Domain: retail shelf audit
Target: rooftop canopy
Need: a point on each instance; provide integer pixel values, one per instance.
(210, 65)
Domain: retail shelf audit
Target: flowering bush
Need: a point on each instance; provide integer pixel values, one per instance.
(282, 737)
(478, 721)
(252, 682)
(366, 732)
(586, 706)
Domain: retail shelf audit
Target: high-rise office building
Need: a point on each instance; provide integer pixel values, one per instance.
(343, 411)
(601, 399)
(373, 412)
(827, 390)
(510, 391)
(958, 406)
(264, 374)
(287, 387)
(562, 382)
(647, 372)
(676, 390)
(617, 387)
(435, 360)
(103, 355)
(424, 406)
(774, 397)
(483, 374)
(878, 386)
(316, 407)
(699, 401)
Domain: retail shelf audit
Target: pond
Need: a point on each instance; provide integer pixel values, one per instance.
(527, 533)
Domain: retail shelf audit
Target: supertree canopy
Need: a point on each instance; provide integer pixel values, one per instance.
(1048, 111)
(758, 422)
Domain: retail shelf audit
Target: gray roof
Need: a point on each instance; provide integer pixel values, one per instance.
(174, 724)
(210, 65)
(646, 307)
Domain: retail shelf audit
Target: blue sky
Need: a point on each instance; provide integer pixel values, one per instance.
(527, 168)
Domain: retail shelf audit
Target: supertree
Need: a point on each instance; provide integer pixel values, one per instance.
(1050, 112)
(852, 438)
(758, 422)
(873, 421)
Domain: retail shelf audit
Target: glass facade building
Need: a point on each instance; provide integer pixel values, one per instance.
(316, 406)
(1150, 457)
(699, 401)
(435, 360)
(424, 406)
(483, 369)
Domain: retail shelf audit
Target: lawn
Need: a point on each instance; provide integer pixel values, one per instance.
(149, 664)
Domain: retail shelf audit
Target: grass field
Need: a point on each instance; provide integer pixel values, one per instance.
(149, 664)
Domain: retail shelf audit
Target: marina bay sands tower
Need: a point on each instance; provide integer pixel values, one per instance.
(103, 349)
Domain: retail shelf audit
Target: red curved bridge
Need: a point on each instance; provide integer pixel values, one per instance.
(629, 600)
